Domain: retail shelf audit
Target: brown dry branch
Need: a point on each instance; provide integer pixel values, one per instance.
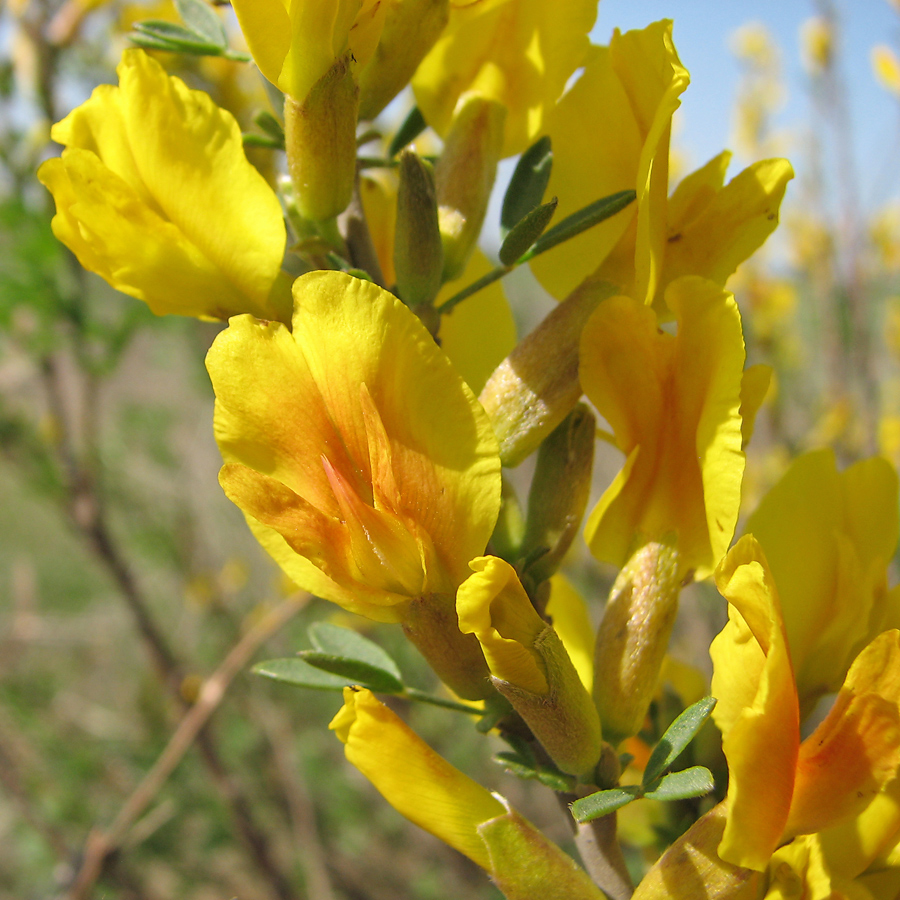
(101, 843)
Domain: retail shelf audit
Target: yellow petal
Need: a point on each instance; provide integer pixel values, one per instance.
(295, 42)
(754, 387)
(418, 783)
(155, 194)
(734, 224)
(519, 53)
(846, 761)
(493, 605)
(828, 537)
(570, 619)
(673, 405)
(757, 710)
(480, 332)
(629, 90)
(358, 414)
(696, 191)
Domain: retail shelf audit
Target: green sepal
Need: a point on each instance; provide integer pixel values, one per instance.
(496, 709)
(202, 19)
(354, 671)
(343, 642)
(525, 865)
(677, 736)
(252, 139)
(299, 673)
(526, 231)
(413, 125)
(527, 185)
(270, 125)
(693, 782)
(602, 803)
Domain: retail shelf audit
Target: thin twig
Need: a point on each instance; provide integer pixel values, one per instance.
(101, 844)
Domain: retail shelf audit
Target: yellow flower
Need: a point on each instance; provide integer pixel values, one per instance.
(296, 42)
(529, 664)
(628, 90)
(828, 537)
(673, 403)
(427, 790)
(154, 193)
(363, 460)
(707, 228)
(803, 787)
(518, 53)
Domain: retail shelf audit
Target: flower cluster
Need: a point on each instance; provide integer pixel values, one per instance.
(369, 398)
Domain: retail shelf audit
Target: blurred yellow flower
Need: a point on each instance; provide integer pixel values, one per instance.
(365, 465)
(673, 404)
(886, 67)
(829, 537)
(154, 193)
(518, 53)
(817, 44)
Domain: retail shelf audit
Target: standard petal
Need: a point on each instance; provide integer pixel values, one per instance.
(517, 52)
(757, 710)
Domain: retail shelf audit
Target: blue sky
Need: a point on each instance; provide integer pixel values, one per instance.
(702, 32)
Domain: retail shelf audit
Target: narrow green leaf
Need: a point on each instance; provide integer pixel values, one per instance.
(413, 125)
(251, 139)
(678, 735)
(178, 38)
(693, 782)
(355, 671)
(265, 121)
(595, 806)
(527, 185)
(526, 232)
(585, 218)
(202, 19)
(336, 641)
(295, 671)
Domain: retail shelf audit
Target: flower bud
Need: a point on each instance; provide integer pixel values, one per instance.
(559, 492)
(320, 140)
(537, 385)
(410, 29)
(529, 664)
(633, 638)
(418, 256)
(464, 177)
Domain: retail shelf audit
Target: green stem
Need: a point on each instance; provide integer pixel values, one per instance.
(422, 697)
(568, 228)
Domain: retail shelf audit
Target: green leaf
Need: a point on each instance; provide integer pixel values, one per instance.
(251, 139)
(203, 20)
(595, 806)
(526, 232)
(527, 185)
(585, 218)
(413, 125)
(354, 671)
(172, 37)
(693, 782)
(265, 121)
(678, 735)
(335, 641)
(295, 671)
(551, 778)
